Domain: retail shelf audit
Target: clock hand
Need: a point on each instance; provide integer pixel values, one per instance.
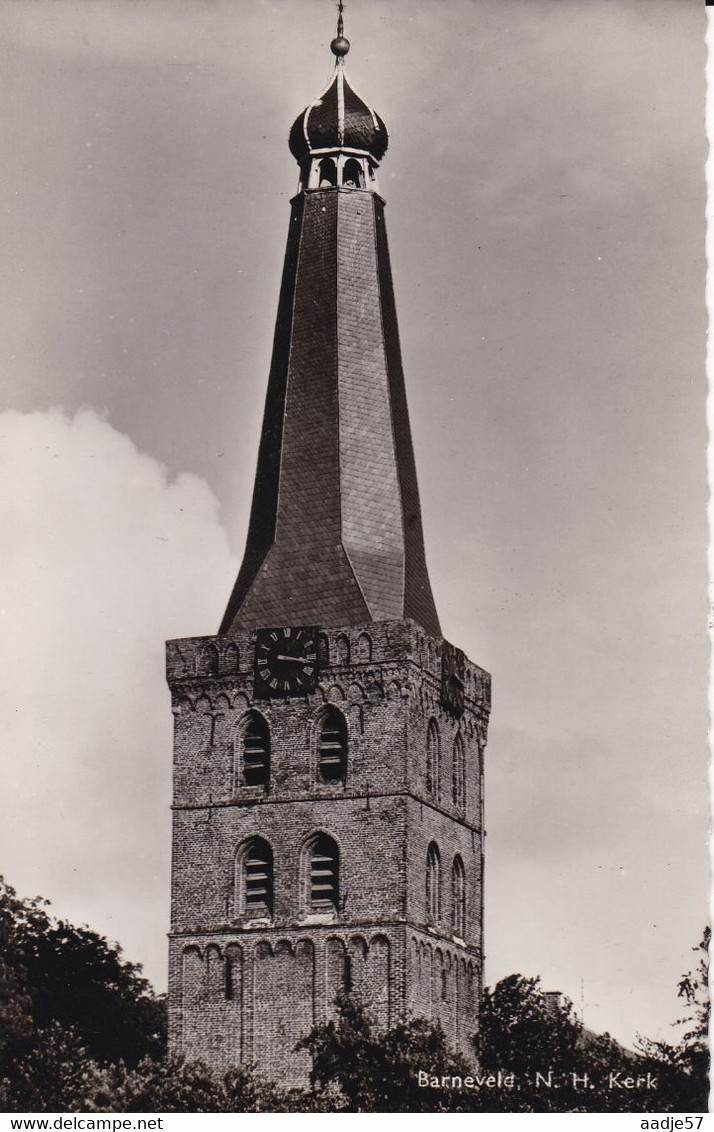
(294, 659)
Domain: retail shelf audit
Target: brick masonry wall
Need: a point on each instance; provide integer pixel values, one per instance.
(248, 997)
(243, 988)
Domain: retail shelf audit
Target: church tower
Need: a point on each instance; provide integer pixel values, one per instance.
(328, 753)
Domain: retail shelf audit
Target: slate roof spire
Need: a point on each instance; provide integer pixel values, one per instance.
(335, 534)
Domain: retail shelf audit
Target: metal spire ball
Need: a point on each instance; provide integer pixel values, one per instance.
(340, 46)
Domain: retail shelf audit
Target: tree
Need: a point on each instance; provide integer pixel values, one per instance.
(558, 1066)
(519, 1032)
(538, 1044)
(161, 1086)
(55, 1074)
(365, 1071)
(15, 1008)
(684, 1065)
(694, 989)
(55, 972)
(176, 1085)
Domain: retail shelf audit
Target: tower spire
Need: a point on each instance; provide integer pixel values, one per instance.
(335, 535)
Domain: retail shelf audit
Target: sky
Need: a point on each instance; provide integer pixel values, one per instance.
(545, 204)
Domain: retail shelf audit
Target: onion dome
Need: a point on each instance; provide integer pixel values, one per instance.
(338, 119)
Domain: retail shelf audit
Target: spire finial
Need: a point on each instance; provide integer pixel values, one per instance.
(340, 46)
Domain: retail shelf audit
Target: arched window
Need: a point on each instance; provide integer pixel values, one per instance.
(364, 647)
(255, 751)
(208, 660)
(433, 884)
(459, 772)
(433, 759)
(323, 650)
(458, 896)
(255, 878)
(342, 648)
(323, 874)
(352, 176)
(328, 173)
(332, 746)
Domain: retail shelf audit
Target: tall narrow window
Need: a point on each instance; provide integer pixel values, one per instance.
(459, 769)
(342, 649)
(364, 647)
(256, 751)
(215, 973)
(433, 884)
(458, 896)
(257, 879)
(332, 747)
(323, 650)
(234, 972)
(433, 759)
(323, 878)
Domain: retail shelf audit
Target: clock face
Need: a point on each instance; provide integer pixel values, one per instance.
(285, 662)
(452, 679)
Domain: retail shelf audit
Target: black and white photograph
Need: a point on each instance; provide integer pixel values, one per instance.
(353, 586)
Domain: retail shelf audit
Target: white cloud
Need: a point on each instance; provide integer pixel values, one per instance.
(104, 558)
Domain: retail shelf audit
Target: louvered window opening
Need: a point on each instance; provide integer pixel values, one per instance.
(258, 881)
(324, 878)
(332, 753)
(256, 755)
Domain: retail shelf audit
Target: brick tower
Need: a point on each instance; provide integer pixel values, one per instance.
(328, 755)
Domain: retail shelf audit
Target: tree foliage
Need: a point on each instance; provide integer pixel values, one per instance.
(15, 1007)
(557, 1065)
(53, 972)
(694, 989)
(529, 1056)
(366, 1071)
(684, 1064)
(57, 1075)
(54, 1073)
(520, 1033)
